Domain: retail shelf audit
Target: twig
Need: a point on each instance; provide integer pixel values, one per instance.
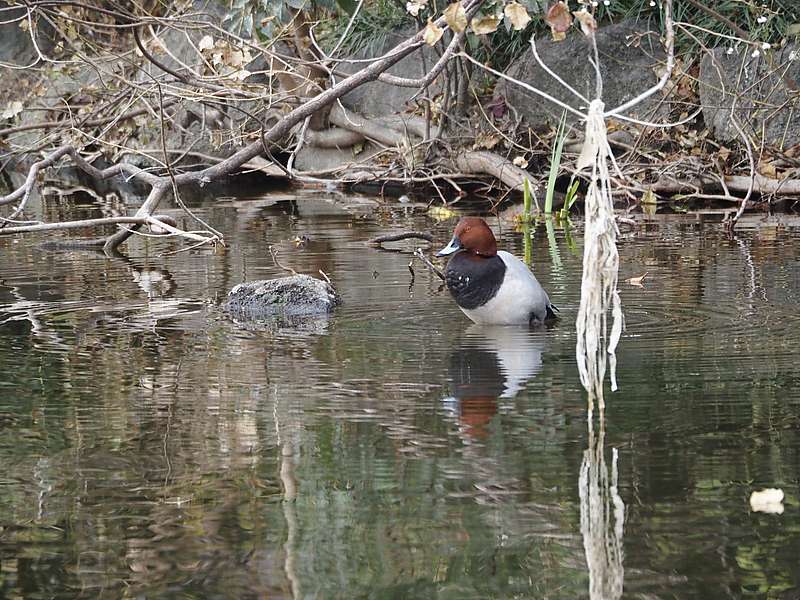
(731, 224)
(274, 254)
(396, 237)
(418, 253)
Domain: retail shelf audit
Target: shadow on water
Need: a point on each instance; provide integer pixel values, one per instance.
(152, 447)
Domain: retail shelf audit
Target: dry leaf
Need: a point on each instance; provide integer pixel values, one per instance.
(12, 110)
(518, 15)
(793, 151)
(414, 6)
(433, 33)
(206, 43)
(767, 169)
(485, 24)
(559, 19)
(440, 213)
(486, 140)
(588, 24)
(637, 281)
(456, 17)
(767, 501)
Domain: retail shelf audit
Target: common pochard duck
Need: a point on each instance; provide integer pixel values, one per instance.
(491, 286)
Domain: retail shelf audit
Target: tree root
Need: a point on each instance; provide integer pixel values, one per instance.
(489, 163)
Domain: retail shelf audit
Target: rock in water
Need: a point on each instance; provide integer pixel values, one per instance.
(295, 296)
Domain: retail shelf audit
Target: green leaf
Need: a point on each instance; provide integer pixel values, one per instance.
(555, 163)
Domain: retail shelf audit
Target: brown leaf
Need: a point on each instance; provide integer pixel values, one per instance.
(559, 19)
(767, 169)
(433, 33)
(456, 17)
(518, 15)
(588, 24)
(485, 24)
(637, 281)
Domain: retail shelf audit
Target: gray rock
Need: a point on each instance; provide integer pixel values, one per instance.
(629, 56)
(377, 99)
(767, 108)
(295, 296)
(15, 42)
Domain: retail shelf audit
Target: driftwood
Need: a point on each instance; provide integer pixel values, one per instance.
(734, 183)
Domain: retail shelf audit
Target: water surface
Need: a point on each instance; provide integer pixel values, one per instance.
(153, 448)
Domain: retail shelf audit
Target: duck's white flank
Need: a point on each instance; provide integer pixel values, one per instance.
(519, 296)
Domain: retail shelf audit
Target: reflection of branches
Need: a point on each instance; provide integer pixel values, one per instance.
(289, 482)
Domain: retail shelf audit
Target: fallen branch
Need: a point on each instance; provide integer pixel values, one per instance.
(735, 183)
(396, 237)
(163, 221)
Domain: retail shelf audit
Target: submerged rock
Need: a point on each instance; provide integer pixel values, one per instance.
(295, 296)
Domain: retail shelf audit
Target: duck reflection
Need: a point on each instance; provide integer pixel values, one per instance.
(491, 363)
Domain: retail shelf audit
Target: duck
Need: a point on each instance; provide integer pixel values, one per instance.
(491, 286)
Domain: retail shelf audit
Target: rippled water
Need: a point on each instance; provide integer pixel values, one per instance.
(153, 448)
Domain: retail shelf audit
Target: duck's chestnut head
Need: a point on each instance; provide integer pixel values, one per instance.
(473, 235)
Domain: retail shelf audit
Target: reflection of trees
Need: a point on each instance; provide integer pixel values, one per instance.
(157, 450)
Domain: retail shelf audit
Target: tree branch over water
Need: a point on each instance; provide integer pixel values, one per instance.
(161, 184)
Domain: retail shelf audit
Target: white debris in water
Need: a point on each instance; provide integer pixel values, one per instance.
(768, 501)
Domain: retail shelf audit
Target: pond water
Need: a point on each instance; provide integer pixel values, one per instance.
(153, 448)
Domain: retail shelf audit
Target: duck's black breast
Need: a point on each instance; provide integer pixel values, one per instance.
(474, 280)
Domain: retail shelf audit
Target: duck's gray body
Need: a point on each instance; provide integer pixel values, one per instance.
(295, 296)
